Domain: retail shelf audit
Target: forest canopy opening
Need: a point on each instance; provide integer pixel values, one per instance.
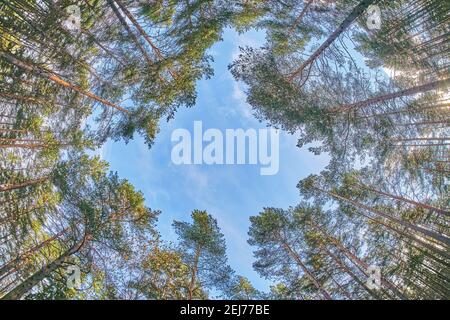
(362, 81)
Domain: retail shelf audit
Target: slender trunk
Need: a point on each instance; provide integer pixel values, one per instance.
(347, 270)
(54, 78)
(40, 275)
(401, 262)
(298, 20)
(413, 238)
(434, 235)
(356, 12)
(130, 32)
(143, 33)
(402, 93)
(418, 204)
(8, 187)
(314, 280)
(346, 294)
(363, 267)
(14, 262)
(194, 273)
(140, 29)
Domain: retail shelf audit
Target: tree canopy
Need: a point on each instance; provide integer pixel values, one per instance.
(74, 75)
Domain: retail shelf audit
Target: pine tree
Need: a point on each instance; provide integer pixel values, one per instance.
(203, 250)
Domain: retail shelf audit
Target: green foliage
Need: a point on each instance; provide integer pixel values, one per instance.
(374, 101)
(202, 245)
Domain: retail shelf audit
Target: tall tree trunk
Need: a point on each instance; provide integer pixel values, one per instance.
(356, 12)
(8, 187)
(429, 233)
(358, 262)
(309, 274)
(40, 275)
(418, 204)
(130, 32)
(14, 262)
(402, 93)
(346, 294)
(143, 33)
(298, 20)
(417, 239)
(194, 273)
(347, 270)
(54, 78)
(140, 29)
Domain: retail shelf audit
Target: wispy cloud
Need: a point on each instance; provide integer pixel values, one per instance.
(195, 177)
(250, 39)
(240, 98)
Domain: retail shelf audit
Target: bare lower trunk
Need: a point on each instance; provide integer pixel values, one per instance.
(314, 280)
(347, 270)
(13, 263)
(356, 12)
(418, 204)
(194, 274)
(8, 187)
(40, 275)
(54, 78)
(298, 20)
(429, 233)
(402, 93)
(130, 32)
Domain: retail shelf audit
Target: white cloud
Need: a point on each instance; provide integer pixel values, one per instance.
(240, 97)
(196, 178)
(243, 40)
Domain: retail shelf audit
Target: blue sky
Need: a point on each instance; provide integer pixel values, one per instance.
(231, 193)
